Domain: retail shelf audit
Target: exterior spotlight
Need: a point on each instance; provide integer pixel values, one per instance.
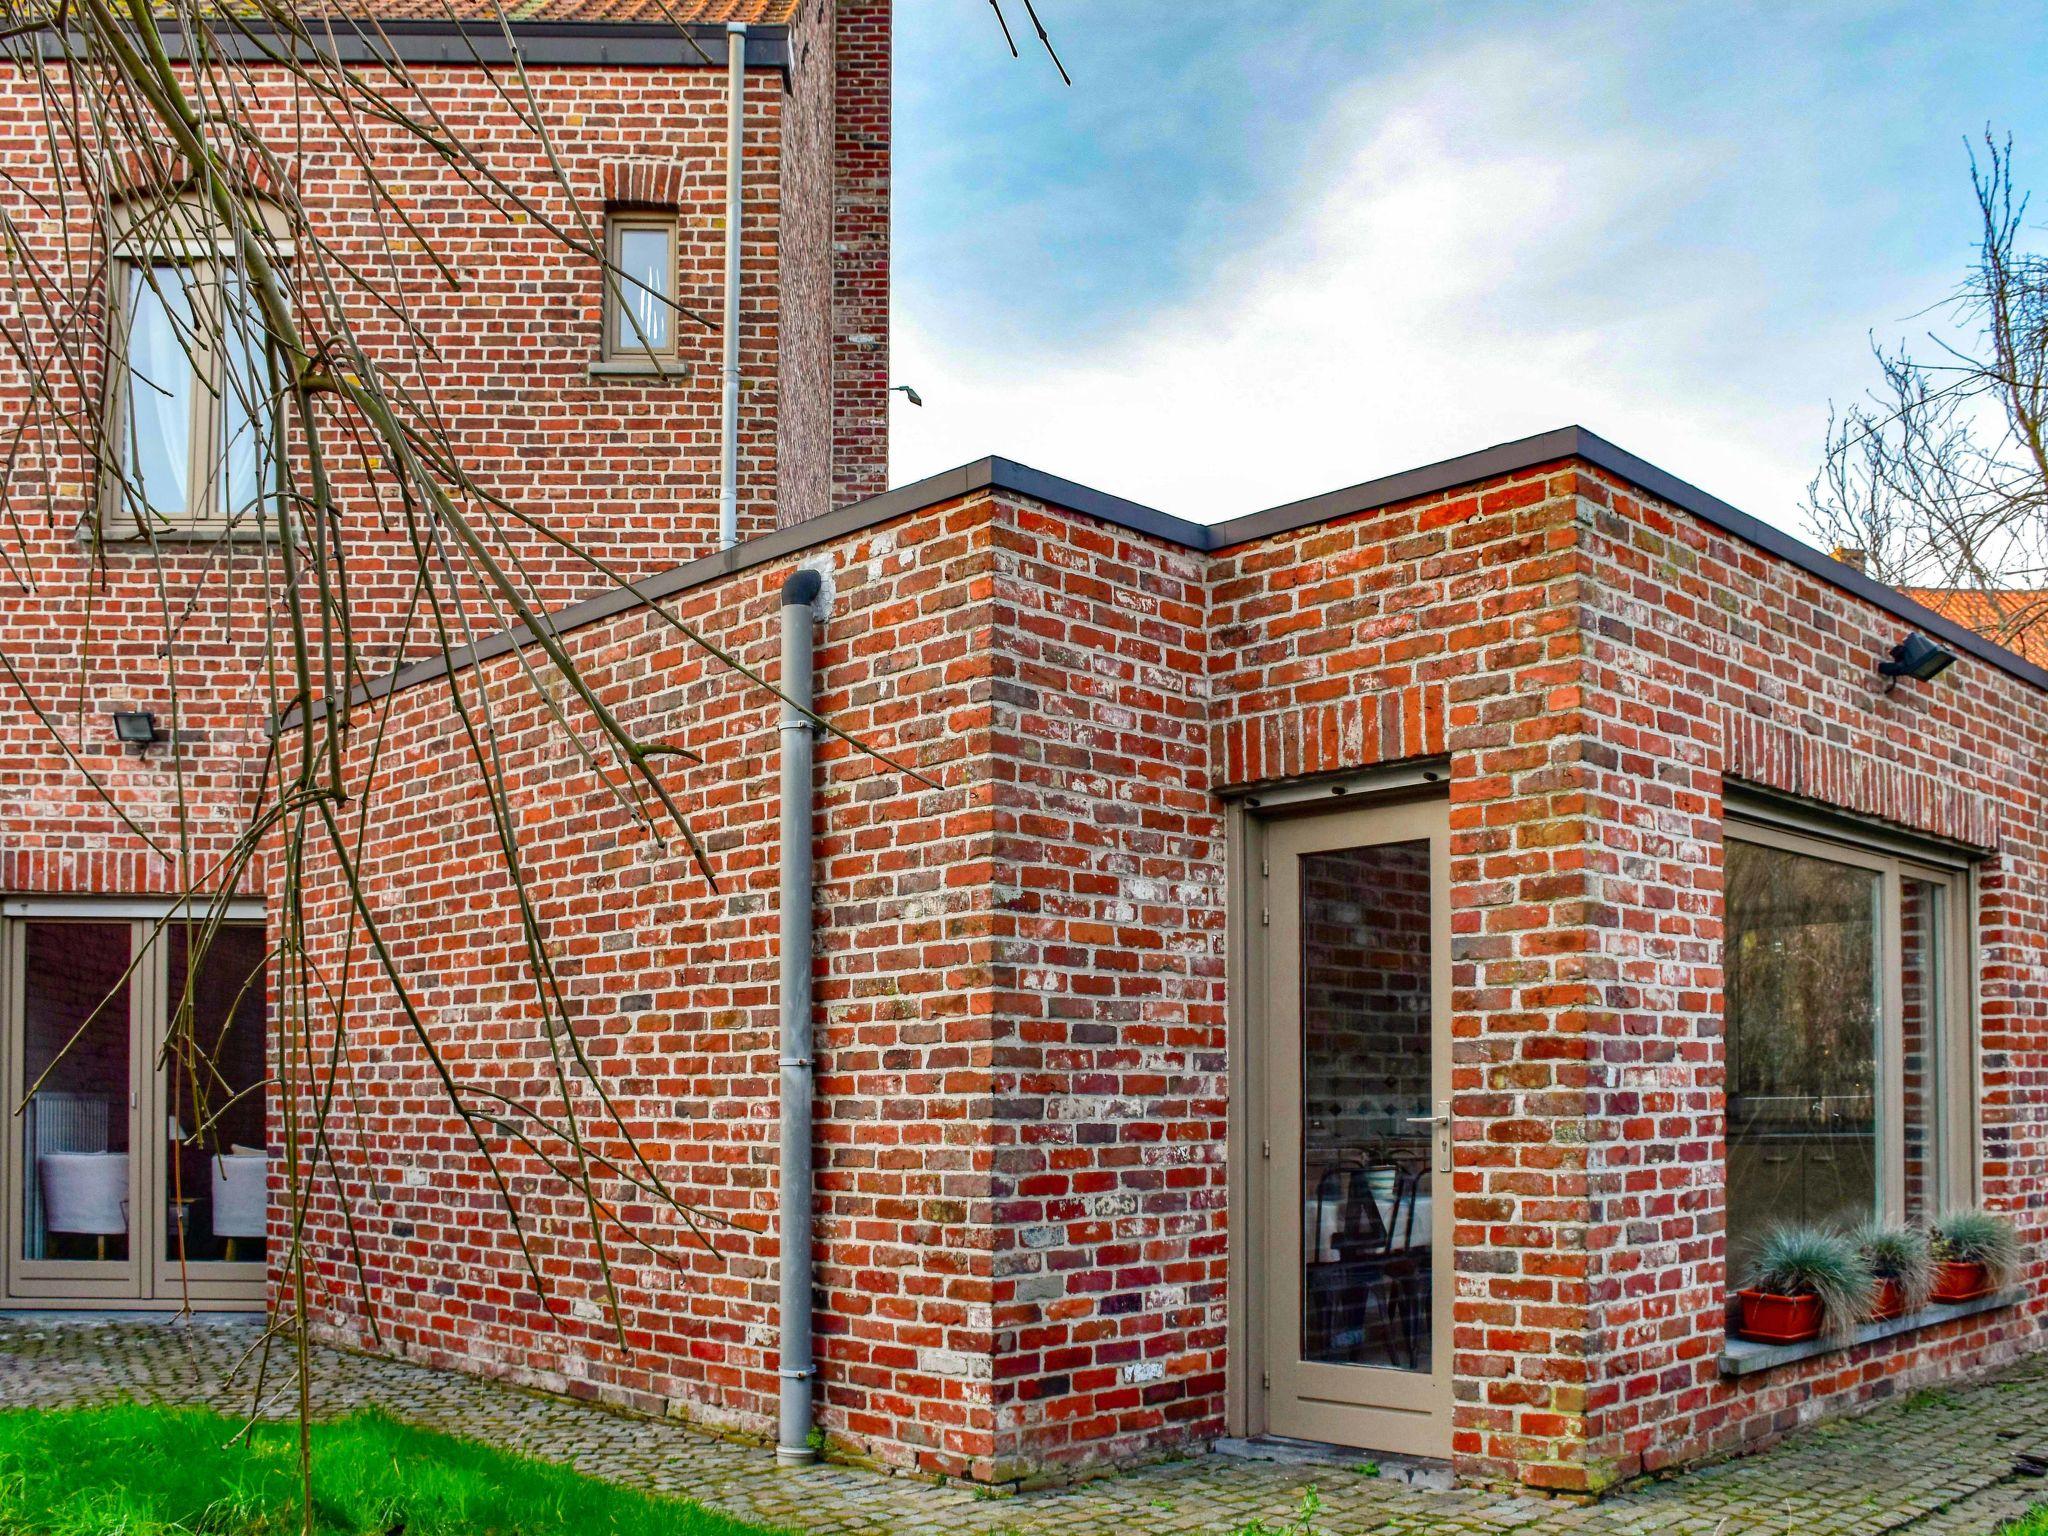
(135, 729)
(1918, 657)
(907, 393)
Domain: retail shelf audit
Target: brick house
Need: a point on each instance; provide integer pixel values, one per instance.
(1363, 971)
(615, 446)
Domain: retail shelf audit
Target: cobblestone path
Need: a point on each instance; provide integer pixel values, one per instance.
(1939, 1464)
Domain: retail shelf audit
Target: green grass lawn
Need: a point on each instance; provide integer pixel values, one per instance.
(2033, 1523)
(137, 1471)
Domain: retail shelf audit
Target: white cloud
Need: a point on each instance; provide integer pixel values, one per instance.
(1481, 247)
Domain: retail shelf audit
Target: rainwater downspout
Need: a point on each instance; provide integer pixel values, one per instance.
(729, 402)
(793, 944)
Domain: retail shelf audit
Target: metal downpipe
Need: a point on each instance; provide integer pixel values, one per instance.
(729, 396)
(793, 943)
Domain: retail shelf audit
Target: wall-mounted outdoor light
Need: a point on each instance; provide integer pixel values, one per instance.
(1915, 656)
(133, 728)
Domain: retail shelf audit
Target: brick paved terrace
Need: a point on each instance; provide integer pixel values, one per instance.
(1937, 1462)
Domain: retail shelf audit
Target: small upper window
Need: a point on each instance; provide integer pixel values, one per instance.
(640, 287)
(193, 415)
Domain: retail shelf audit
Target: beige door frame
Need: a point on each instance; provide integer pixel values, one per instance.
(146, 1279)
(1271, 1390)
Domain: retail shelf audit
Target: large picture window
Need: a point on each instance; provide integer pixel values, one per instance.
(1849, 1057)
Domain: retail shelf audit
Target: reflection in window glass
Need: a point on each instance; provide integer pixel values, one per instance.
(216, 1186)
(1922, 916)
(247, 417)
(646, 262)
(1802, 989)
(1366, 1166)
(75, 1056)
(159, 394)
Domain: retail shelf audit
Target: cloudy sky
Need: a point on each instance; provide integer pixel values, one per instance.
(1260, 251)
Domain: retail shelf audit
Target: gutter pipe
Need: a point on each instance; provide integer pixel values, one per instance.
(729, 404)
(793, 944)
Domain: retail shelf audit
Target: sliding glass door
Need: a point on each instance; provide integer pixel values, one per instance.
(136, 1161)
(72, 1051)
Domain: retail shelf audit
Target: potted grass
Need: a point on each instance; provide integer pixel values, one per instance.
(1976, 1252)
(1803, 1282)
(1901, 1261)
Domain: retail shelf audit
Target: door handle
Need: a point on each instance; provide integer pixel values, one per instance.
(1442, 1121)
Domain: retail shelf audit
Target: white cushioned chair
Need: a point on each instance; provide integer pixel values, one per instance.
(85, 1192)
(241, 1195)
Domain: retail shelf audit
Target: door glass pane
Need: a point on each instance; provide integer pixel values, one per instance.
(157, 431)
(1922, 988)
(1366, 1055)
(74, 1129)
(647, 277)
(216, 1177)
(1801, 977)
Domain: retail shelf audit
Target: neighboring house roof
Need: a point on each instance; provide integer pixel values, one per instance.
(2017, 618)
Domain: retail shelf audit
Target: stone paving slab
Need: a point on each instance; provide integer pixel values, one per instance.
(1939, 1464)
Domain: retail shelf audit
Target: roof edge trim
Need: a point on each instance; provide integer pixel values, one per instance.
(1000, 474)
(597, 44)
(856, 517)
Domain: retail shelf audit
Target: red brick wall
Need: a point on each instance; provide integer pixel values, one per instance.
(671, 988)
(627, 467)
(1595, 664)
(1111, 1089)
(860, 249)
(1024, 1094)
(1449, 626)
(1710, 662)
(807, 406)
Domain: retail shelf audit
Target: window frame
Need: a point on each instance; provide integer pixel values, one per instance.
(181, 244)
(614, 349)
(1954, 1095)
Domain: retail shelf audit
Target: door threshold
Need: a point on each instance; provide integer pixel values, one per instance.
(164, 1316)
(1410, 1471)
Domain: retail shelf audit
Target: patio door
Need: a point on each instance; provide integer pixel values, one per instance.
(133, 1059)
(1356, 1155)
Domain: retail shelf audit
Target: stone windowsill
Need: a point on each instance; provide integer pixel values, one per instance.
(1745, 1357)
(125, 535)
(638, 368)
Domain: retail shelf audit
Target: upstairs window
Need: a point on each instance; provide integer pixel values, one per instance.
(641, 287)
(191, 435)
(1850, 1065)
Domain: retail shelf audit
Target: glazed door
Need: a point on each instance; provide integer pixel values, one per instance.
(135, 1165)
(1357, 1152)
(74, 1111)
(208, 1043)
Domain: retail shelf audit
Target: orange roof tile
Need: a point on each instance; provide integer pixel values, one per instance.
(2016, 618)
(755, 13)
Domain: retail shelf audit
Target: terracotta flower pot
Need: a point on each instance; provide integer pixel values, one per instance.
(1960, 1281)
(1778, 1319)
(1889, 1301)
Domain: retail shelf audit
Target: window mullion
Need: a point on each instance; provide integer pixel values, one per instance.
(206, 492)
(1891, 1036)
(1958, 1048)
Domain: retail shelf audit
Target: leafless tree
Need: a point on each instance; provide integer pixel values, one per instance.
(165, 127)
(1942, 477)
